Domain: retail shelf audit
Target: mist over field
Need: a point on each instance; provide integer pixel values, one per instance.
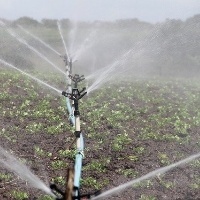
(168, 49)
(143, 124)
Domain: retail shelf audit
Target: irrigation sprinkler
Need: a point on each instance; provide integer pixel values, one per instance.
(73, 95)
(68, 65)
(69, 78)
(74, 175)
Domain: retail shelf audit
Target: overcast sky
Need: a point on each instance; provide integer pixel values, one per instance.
(89, 10)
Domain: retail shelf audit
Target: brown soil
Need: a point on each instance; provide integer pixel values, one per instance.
(181, 179)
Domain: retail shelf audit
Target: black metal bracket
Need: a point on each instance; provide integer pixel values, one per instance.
(90, 195)
(75, 95)
(77, 134)
(86, 196)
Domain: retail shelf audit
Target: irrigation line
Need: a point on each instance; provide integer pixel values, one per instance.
(75, 96)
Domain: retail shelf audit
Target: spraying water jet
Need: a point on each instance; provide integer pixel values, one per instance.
(13, 34)
(12, 164)
(63, 41)
(30, 76)
(38, 39)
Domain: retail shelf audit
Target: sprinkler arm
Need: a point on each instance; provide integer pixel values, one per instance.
(82, 95)
(75, 95)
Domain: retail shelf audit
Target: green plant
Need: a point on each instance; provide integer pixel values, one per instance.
(95, 166)
(93, 183)
(19, 195)
(5, 177)
(120, 141)
(139, 150)
(143, 184)
(166, 184)
(128, 172)
(39, 151)
(46, 197)
(181, 127)
(163, 158)
(60, 180)
(68, 153)
(147, 197)
(133, 158)
(195, 183)
(195, 163)
(58, 164)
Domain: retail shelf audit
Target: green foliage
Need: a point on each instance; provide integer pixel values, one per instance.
(128, 173)
(166, 184)
(19, 195)
(58, 164)
(45, 197)
(68, 153)
(143, 184)
(5, 177)
(97, 166)
(163, 158)
(120, 141)
(147, 197)
(39, 151)
(93, 183)
(195, 183)
(59, 180)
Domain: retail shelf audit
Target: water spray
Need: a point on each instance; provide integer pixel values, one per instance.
(30, 76)
(13, 34)
(63, 41)
(14, 165)
(38, 39)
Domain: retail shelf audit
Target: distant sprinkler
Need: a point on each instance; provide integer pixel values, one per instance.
(66, 59)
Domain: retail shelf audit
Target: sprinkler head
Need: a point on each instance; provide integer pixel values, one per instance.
(83, 90)
(64, 93)
(76, 78)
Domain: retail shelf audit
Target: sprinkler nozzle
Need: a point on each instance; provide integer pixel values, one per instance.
(82, 95)
(83, 90)
(56, 191)
(65, 94)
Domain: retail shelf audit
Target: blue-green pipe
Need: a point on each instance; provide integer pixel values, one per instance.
(70, 112)
(78, 163)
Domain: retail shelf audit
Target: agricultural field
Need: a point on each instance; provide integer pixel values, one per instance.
(130, 128)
